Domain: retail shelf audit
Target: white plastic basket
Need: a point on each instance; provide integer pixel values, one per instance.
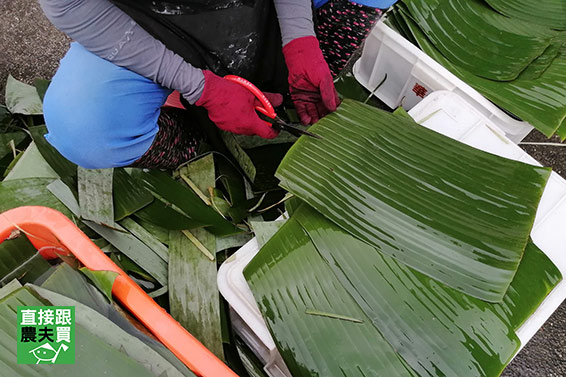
(410, 75)
(246, 318)
(449, 114)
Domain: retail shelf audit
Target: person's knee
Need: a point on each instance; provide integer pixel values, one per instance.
(79, 133)
(99, 115)
(91, 136)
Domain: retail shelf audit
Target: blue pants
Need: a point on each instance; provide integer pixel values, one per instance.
(100, 115)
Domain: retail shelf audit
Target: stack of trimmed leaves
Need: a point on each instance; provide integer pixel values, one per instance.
(108, 343)
(406, 254)
(511, 51)
(169, 231)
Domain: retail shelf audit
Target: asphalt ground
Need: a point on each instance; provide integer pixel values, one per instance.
(30, 47)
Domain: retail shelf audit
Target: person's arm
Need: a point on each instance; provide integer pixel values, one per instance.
(105, 30)
(310, 81)
(295, 19)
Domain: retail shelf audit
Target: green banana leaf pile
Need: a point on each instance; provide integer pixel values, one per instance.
(408, 255)
(109, 343)
(511, 51)
(169, 231)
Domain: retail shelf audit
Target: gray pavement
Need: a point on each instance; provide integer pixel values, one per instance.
(30, 47)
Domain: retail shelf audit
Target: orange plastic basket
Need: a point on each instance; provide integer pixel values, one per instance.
(49, 229)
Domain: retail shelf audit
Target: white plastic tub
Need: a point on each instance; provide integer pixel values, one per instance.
(449, 114)
(411, 75)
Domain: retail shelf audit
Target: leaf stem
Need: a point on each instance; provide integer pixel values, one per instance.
(546, 144)
(332, 315)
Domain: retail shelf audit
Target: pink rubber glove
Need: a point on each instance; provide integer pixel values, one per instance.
(232, 107)
(310, 81)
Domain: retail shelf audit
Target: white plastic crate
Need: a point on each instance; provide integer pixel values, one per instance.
(411, 75)
(449, 114)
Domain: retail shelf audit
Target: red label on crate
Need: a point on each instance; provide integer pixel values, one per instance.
(420, 90)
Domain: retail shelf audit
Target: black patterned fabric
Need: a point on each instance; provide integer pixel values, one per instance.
(177, 141)
(341, 28)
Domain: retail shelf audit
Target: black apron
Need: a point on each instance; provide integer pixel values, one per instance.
(239, 37)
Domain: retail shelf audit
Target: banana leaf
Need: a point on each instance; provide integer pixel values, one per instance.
(540, 65)
(161, 213)
(240, 155)
(289, 279)
(264, 230)
(146, 237)
(128, 196)
(41, 86)
(8, 156)
(458, 28)
(9, 288)
(452, 212)
(65, 168)
(71, 284)
(187, 202)
(134, 249)
(236, 240)
(6, 138)
(19, 259)
(29, 192)
(97, 340)
(22, 98)
(87, 357)
(251, 363)
(535, 278)
(395, 21)
(193, 293)
(5, 116)
(156, 231)
(561, 131)
(95, 195)
(116, 337)
(31, 165)
(119, 237)
(232, 180)
(550, 13)
(103, 280)
(14, 252)
(541, 100)
(201, 173)
(426, 321)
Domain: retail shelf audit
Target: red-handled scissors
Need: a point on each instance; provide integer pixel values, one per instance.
(267, 109)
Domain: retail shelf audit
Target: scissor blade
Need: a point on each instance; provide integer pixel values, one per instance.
(294, 130)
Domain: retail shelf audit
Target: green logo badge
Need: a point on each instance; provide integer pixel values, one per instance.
(46, 335)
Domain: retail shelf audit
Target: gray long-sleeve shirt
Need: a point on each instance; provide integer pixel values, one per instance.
(105, 30)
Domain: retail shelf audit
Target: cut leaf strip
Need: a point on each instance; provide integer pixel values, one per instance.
(171, 192)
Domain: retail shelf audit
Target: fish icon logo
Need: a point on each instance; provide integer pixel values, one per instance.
(47, 354)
